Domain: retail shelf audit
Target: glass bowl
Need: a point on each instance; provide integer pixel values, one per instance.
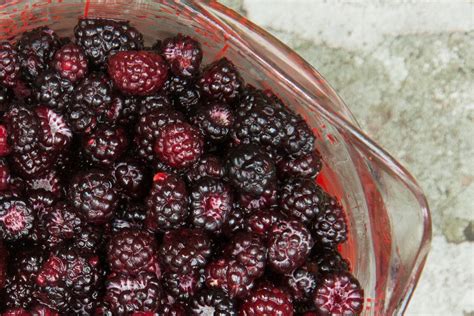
(388, 216)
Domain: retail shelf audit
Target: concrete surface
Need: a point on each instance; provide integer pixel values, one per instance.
(406, 70)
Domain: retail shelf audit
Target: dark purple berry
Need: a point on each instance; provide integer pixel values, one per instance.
(70, 62)
(329, 226)
(221, 81)
(214, 121)
(105, 144)
(16, 219)
(306, 166)
(230, 276)
(267, 301)
(9, 65)
(50, 87)
(183, 54)
(249, 250)
(212, 302)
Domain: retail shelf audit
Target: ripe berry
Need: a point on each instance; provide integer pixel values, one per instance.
(299, 139)
(338, 293)
(137, 72)
(250, 170)
(4, 146)
(81, 118)
(301, 199)
(167, 203)
(184, 250)
(102, 37)
(131, 178)
(211, 203)
(182, 286)
(329, 226)
(62, 223)
(266, 200)
(306, 166)
(54, 129)
(230, 276)
(105, 145)
(9, 64)
(33, 163)
(289, 245)
(36, 49)
(93, 91)
(220, 81)
(214, 121)
(16, 219)
(302, 281)
(50, 87)
(23, 129)
(249, 250)
(179, 145)
(267, 301)
(70, 62)
(132, 252)
(261, 222)
(183, 54)
(149, 127)
(209, 166)
(94, 195)
(127, 294)
(212, 302)
(329, 259)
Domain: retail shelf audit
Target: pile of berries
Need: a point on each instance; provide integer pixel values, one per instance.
(134, 181)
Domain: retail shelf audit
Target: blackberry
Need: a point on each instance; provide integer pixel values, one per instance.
(9, 65)
(266, 200)
(188, 99)
(32, 163)
(23, 129)
(301, 199)
(249, 250)
(81, 118)
(50, 87)
(167, 203)
(149, 127)
(267, 301)
(235, 222)
(329, 226)
(130, 177)
(55, 133)
(302, 281)
(329, 260)
(289, 245)
(214, 121)
(88, 239)
(105, 144)
(62, 223)
(132, 252)
(176, 84)
(183, 54)
(5, 148)
(259, 121)
(36, 49)
(16, 219)
(170, 307)
(262, 221)
(122, 110)
(230, 276)
(299, 138)
(220, 81)
(4, 175)
(102, 37)
(209, 166)
(18, 292)
(126, 294)
(306, 166)
(3, 264)
(211, 203)
(137, 72)
(179, 145)
(184, 250)
(182, 286)
(94, 91)
(212, 302)
(70, 62)
(338, 293)
(154, 102)
(250, 170)
(94, 195)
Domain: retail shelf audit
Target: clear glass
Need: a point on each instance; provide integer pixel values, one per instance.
(390, 226)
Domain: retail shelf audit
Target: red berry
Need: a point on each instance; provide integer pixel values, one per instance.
(137, 72)
(267, 301)
(4, 147)
(70, 62)
(179, 145)
(339, 294)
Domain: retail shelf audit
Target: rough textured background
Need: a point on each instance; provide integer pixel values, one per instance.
(406, 70)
